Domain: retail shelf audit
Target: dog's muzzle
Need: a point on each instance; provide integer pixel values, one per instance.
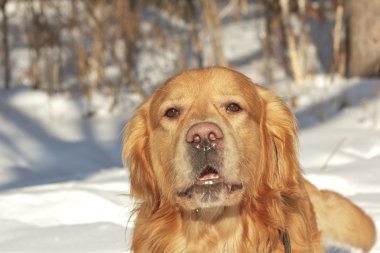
(205, 147)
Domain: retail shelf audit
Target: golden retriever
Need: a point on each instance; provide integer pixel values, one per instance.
(212, 159)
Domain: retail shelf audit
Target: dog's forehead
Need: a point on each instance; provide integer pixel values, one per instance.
(208, 81)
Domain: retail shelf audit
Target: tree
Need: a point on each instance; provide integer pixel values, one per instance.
(6, 61)
(364, 37)
(211, 17)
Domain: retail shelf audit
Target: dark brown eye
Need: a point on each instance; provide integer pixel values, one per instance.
(233, 107)
(172, 113)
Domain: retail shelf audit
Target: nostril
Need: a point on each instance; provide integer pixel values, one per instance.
(212, 136)
(197, 138)
(202, 131)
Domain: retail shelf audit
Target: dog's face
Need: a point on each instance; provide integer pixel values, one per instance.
(200, 139)
(205, 129)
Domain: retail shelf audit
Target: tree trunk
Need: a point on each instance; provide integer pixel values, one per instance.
(196, 41)
(6, 61)
(211, 16)
(291, 40)
(337, 38)
(364, 37)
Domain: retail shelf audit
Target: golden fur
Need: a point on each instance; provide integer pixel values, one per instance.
(257, 152)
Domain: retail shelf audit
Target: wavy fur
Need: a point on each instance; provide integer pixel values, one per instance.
(262, 139)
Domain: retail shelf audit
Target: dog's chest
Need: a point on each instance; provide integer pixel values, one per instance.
(214, 238)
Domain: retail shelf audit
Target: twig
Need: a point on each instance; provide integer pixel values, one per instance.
(228, 9)
(334, 151)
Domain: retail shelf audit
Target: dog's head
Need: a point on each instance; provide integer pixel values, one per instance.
(207, 138)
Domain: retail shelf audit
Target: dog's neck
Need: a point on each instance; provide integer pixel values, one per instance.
(209, 215)
(223, 229)
(220, 225)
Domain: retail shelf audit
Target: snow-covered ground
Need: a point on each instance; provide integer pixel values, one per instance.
(62, 185)
(63, 189)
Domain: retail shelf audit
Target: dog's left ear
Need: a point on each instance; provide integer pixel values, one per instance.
(135, 155)
(278, 125)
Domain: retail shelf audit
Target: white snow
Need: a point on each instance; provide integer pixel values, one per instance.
(63, 189)
(62, 185)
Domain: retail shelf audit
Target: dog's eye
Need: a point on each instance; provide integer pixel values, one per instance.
(172, 113)
(233, 107)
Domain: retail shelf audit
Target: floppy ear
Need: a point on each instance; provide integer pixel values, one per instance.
(278, 125)
(136, 157)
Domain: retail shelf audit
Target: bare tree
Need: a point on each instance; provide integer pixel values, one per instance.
(191, 16)
(280, 41)
(128, 24)
(364, 37)
(338, 63)
(291, 39)
(6, 60)
(211, 18)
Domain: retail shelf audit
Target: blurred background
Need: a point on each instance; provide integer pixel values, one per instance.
(72, 73)
(85, 47)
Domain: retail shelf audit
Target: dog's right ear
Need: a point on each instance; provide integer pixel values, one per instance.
(136, 157)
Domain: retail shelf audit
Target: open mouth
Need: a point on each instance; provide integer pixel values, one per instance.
(209, 176)
(210, 182)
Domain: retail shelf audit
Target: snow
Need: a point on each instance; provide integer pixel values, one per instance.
(62, 185)
(343, 154)
(63, 188)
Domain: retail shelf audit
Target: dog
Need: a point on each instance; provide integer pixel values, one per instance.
(213, 162)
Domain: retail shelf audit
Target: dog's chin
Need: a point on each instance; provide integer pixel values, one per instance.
(210, 194)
